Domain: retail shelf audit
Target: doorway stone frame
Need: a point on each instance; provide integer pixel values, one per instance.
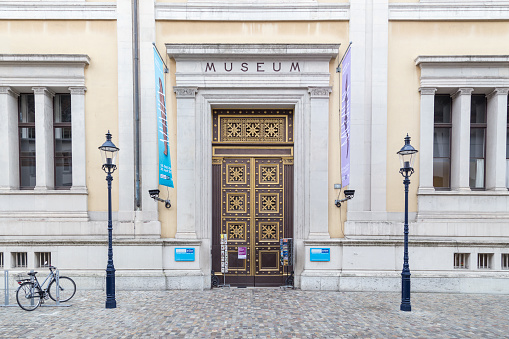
(198, 92)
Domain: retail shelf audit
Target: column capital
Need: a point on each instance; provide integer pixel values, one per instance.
(9, 91)
(462, 91)
(185, 92)
(78, 90)
(43, 90)
(320, 92)
(427, 90)
(498, 91)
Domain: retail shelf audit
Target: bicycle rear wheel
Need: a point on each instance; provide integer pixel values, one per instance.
(28, 296)
(66, 291)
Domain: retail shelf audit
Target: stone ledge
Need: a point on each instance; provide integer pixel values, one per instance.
(249, 11)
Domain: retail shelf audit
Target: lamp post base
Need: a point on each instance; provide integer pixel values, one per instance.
(405, 290)
(111, 303)
(405, 307)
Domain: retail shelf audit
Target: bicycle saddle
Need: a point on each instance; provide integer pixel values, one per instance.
(32, 273)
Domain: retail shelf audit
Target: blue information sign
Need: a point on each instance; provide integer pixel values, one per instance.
(319, 254)
(184, 254)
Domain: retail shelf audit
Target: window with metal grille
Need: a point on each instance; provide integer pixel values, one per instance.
(507, 149)
(505, 261)
(1, 259)
(26, 127)
(461, 260)
(63, 141)
(442, 143)
(478, 141)
(43, 259)
(484, 261)
(19, 259)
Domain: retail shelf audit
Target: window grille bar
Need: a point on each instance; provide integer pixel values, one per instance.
(43, 259)
(461, 260)
(505, 261)
(484, 260)
(20, 259)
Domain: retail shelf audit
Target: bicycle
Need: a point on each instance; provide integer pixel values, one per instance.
(31, 294)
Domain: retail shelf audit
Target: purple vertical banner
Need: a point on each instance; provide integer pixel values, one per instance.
(346, 84)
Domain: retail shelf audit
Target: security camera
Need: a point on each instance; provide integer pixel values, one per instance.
(348, 195)
(153, 193)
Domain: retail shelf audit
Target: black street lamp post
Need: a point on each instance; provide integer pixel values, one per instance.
(109, 155)
(407, 157)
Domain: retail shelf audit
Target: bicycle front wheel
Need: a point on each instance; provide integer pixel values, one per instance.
(28, 296)
(67, 289)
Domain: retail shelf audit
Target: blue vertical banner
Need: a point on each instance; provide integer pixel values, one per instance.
(165, 175)
(346, 95)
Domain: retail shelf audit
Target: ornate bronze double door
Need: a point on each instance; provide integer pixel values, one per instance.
(253, 201)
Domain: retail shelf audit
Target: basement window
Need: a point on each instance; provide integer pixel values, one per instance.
(484, 261)
(461, 260)
(19, 259)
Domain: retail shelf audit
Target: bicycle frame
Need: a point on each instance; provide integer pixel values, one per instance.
(30, 288)
(51, 276)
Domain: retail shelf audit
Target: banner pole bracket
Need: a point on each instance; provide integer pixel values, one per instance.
(166, 70)
(338, 69)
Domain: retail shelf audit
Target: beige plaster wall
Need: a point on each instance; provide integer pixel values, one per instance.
(97, 39)
(407, 40)
(257, 32)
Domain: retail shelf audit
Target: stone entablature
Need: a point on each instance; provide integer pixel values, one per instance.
(57, 9)
(267, 10)
(253, 65)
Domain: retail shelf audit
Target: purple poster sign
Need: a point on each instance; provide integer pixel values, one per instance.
(242, 252)
(346, 84)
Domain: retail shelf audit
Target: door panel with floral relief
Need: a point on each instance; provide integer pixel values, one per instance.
(252, 192)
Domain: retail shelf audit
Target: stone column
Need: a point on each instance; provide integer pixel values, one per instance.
(78, 138)
(426, 141)
(460, 139)
(318, 163)
(496, 134)
(126, 119)
(44, 143)
(186, 162)
(9, 152)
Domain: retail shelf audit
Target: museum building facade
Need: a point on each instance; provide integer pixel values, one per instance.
(253, 99)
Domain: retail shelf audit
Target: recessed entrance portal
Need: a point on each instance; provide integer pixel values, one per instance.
(252, 193)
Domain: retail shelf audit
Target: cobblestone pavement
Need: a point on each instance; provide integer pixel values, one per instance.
(262, 313)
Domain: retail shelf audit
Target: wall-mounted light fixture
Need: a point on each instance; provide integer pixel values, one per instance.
(348, 195)
(154, 194)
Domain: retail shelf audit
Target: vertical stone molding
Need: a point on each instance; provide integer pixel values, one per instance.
(9, 152)
(460, 139)
(379, 72)
(187, 187)
(149, 157)
(78, 138)
(426, 141)
(496, 134)
(126, 137)
(318, 162)
(44, 143)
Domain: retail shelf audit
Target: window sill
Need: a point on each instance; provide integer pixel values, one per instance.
(72, 191)
(49, 205)
(463, 204)
(463, 192)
